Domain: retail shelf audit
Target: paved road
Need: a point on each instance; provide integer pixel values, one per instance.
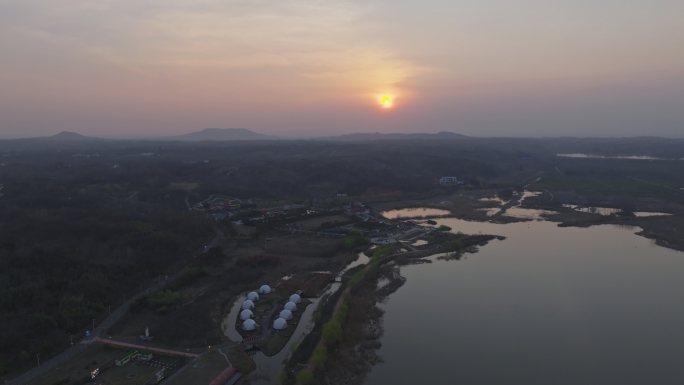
(144, 347)
(78, 347)
(215, 241)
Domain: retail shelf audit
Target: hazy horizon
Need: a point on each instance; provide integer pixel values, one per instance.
(321, 68)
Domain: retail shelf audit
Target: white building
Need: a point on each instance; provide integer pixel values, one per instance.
(291, 306)
(248, 305)
(448, 180)
(249, 324)
(280, 324)
(253, 296)
(295, 298)
(286, 314)
(246, 314)
(264, 289)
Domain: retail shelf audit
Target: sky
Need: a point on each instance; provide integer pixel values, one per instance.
(309, 68)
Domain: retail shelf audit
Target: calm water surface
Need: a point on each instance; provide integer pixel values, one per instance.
(548, 305)
(632, 157)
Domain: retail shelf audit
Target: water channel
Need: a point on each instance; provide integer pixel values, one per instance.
(628, 157)
(548, 305)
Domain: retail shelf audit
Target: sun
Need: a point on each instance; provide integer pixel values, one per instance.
(386, 101)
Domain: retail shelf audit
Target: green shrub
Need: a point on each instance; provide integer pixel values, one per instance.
(332, 332)
(383, 251)
(305, 377)
(342, 312)
(158, 301)
(282, 377)
(319, 357)
(455, 245)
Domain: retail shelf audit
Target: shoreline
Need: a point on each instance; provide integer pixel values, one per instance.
(353, 372)
(664, 230)
(374, 324)
(351, 363)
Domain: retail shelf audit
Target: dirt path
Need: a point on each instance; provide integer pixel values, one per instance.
(131, 196)
(226, 357)
(267, 320)
(224, 376)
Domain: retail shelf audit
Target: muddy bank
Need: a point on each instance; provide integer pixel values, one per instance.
(353, 359)
(666, 231)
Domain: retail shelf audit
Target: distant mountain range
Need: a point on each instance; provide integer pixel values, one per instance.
(221, 134)
(234, 134)
(363, 137)
(68, 136)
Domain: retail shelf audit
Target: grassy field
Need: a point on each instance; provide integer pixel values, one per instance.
(202, 371)
(305, 246)
(617, 177)
(315, 223)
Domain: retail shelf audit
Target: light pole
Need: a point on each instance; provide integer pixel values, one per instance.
(38, 357)
(71, 339)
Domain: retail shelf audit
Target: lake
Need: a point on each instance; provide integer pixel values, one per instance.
(611, 211)
(548, 305)
(632, 157)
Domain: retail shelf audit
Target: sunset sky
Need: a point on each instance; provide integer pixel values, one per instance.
(322, 67)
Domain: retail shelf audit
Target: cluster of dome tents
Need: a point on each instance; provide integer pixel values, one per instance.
(247, 316)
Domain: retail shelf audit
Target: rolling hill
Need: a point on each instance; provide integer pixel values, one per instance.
(221, 134)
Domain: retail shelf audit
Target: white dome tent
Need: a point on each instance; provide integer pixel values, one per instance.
(246, 314)
(265, 289)
(291, 306)
(253, 296)
(280, 324)
(286, 314)
(248, 305)
(249, 324)
(295, 298)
